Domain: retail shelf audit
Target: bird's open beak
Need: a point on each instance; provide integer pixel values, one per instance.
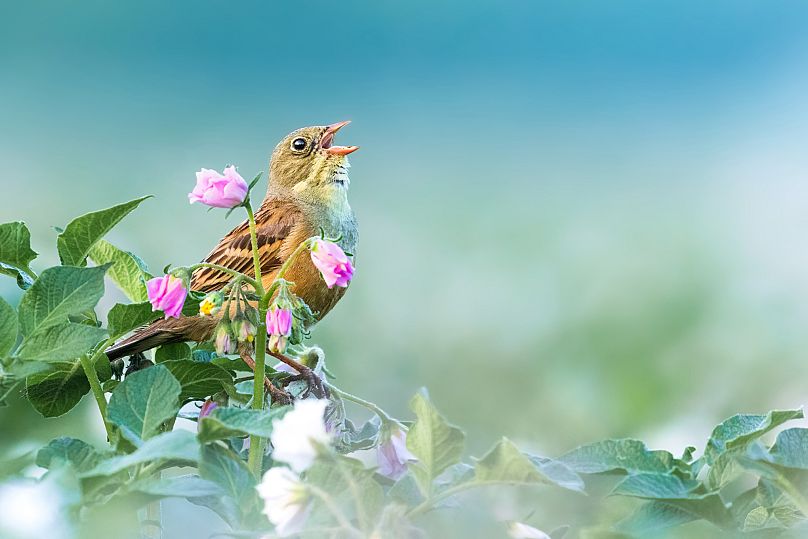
(326, 143)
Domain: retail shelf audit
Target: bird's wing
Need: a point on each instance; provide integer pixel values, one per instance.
(275, 221)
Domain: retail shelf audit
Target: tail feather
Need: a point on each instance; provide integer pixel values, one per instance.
(171, 330)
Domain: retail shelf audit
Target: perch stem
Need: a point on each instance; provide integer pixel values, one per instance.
(88, 364)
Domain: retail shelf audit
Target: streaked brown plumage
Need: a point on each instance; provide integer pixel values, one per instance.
(307, 193)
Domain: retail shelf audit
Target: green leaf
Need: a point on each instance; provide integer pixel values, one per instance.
(170, 352)
(225, 422)
(58, 293)
(123, 318)
(198, 380)
(127, 271)
(505, 463)
(654, 516)
(435, 443)
(737, 431)
(234, 477)
(57, 390)
(80, 454)
(61, 342)
(24, 280)
(630, 456)
(143, 402)
(15, 247)
(8, 327)
(81, 233)
(657, 486)
(350, 486)
(177, 446)
(183, 486)
(791, 449)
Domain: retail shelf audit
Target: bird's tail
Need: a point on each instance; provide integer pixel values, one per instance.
(186, 328)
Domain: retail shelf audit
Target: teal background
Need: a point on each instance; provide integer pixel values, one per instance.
(578, 220)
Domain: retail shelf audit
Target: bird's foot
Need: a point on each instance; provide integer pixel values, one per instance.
(276, 394)
(314, 384)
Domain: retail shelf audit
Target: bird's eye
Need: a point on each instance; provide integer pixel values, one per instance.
(299, 144)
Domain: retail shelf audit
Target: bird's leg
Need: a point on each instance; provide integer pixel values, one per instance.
(277, 395)
(314, 383)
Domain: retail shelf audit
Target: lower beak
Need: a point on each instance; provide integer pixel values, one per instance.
(328, 137)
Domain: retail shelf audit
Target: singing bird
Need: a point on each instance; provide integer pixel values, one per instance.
(307, 194)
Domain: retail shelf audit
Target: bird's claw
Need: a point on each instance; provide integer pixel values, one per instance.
(314, 384)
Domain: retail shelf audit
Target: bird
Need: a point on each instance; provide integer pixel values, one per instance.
(307, 194)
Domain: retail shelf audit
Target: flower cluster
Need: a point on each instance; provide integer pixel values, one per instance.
(297, 438)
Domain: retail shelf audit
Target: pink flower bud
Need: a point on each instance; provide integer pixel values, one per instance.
(217, 190)
(207, 408)
(225, 343)
(279, 322)
(332, 262)
(167, 294)
(392, 452)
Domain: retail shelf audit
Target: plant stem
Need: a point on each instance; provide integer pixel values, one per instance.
(88, 364)
(252, 282)
(256, 453)
(384, 416)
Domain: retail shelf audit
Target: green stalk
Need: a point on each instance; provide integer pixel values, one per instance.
(384, 416)
(88, 364)
(255, 458)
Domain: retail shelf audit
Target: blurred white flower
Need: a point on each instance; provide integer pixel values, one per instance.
(296, 435)
(392, 452)
(286, 501)
(31, 510)
(518, 530)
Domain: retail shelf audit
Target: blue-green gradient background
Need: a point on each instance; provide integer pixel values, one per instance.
(578, 220)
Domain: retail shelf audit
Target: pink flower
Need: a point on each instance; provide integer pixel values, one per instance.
(332, 262)
(393, 454)
(217, 190)
(279, 322)
(167, 294)
(279, 327)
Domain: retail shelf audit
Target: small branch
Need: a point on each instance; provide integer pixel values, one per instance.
(88, 364)
(384, 416)
(255, 458)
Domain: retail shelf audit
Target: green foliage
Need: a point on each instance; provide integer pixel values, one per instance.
(172, 351)
(143, 402)
(81, 233)
(127, 271)
(123, 318)
(58, 293)
(60, 343)
(505, 463)
(435, 443)
(198, 380)
(56, 390)
(16, 254)
(8, 327)
(55, 344)
(226, 422)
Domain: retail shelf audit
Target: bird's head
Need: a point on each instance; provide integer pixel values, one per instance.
(307, 164)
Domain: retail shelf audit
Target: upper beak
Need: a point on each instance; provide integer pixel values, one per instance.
(328, 139)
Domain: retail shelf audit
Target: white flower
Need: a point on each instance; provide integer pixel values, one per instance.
(286, 501)
(393, 454)
(30, 510)
(518, 530)
(296, 435)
